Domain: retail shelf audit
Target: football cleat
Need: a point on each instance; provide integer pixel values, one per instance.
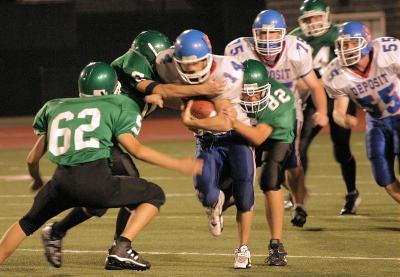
(276, 254)
(299, 217)
(215, 219)
(353, 200)
(242, 257)
(52, 246)
(120, 258)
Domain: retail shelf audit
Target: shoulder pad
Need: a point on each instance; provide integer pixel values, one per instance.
(333, 75)
(242, 48)
(296, 32)
(297, 49)
(387, 50)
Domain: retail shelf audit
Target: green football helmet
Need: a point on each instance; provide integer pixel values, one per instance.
(256, 88)
(98, 79)
(150, 43)
(310, 12)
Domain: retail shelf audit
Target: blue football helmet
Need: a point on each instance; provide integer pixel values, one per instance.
(353, 42)
(193, 46)
(267, 22)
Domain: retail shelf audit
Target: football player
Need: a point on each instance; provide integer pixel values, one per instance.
(78, 134)
(316, 29)
(271, 106)
(287, 59)
(192, 62)
(135, 71)
(368, 72)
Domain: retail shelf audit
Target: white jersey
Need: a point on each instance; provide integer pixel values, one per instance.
(223, 66)
(294, 62)
(377, 90)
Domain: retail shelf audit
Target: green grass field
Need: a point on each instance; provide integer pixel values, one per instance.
(178, 243)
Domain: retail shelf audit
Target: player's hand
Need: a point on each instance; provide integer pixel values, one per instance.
(320, 119)
(351, 121)
(230, 113)
(155, 99)
(191, 167)
(36, 185)
(186, 115)
(213, 86)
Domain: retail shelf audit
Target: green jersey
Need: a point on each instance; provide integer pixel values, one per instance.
(80, 130)
(280, 113)
(132, 67)
(323, 46)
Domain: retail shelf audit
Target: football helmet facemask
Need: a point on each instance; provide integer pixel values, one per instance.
(310, 11)
(191, 48)
(353, 43)
(256, 88)
(269, 30)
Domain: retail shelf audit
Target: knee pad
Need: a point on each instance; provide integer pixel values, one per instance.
(271, 176)
(244, 204)
(95, 212)
(382, 172)
(156, 196)
(28, 225)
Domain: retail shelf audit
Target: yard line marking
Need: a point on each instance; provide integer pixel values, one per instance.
(220, 254)
(180, 217)
(25, 177)
(194, 194)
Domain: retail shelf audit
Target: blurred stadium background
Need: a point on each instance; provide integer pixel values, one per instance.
(43, 46)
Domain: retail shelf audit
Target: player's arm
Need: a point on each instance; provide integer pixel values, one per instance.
(256, 135)
(186, 166)
(319, 98)
(340, 115)
(212, 86)
(33, 159)
(217, 123)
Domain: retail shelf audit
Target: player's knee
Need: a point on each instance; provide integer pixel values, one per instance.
(271, 176)
(156, 196)
(266, 187)
(29, 225)
(209, 199)
(95, 212)
(244, 204)
(383, 179)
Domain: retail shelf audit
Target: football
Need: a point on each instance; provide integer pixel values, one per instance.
(203, 108)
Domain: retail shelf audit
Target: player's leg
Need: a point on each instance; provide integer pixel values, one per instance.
(341, 148)
(241, 164)
(308, 132)
(295, 180)
(381, 143)
(206, 185)
(135, 193)
(47, 203)
(53, 233)
(271, 177)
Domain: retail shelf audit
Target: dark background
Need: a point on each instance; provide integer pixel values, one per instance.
(44, 44)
